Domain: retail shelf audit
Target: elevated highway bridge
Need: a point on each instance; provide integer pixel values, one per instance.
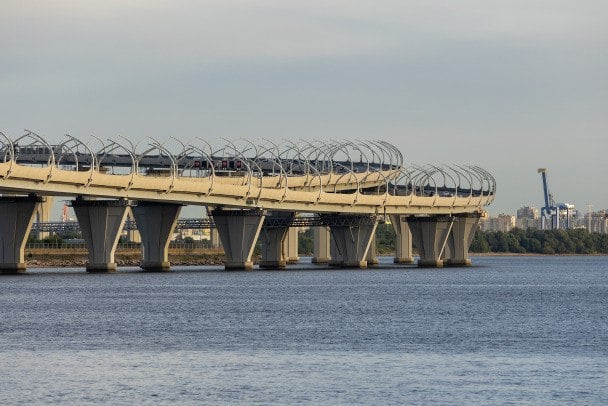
(348, 185)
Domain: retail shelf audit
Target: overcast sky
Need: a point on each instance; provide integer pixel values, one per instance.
(509, 85)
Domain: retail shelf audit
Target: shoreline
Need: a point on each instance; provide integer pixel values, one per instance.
(71, 259)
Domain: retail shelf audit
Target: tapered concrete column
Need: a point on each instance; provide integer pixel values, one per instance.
(321, 245)
(460, 239)
(101, 223)
(372, 253)
(239, 231)
(155, 222)
(274, 254)
(43, 214)
(335, 255)
(403, 240)
(430, 235)
(16, 217)
(133, 234)
(353, 235)
(273, 238)
(214, 238)
(291, 246)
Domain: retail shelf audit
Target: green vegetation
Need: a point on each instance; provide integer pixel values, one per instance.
(305, 242)
(516, 241)
(534, 241)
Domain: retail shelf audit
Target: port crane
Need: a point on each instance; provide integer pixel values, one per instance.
(551, 213)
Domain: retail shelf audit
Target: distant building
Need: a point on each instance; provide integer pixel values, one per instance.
(528, 212)
(528, 217)
(502, 222)
(598, 222)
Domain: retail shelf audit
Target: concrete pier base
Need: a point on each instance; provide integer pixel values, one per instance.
(321, 245)
(16, 217)
(239, 231)
(101, 222)
(102, 267)
(155, 222)
(403, 240)
(430, 235)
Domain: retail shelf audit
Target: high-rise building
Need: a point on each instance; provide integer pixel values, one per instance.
(528, 212)
(528, 217)
(502, 222)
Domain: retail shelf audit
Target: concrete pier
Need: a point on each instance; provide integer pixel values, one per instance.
(16, 217)
(239, 231)
(321, 245)
(101, 223)
(155, 222)
(403, 240)
(430, 236)
(214, 238)
(291, 246)
(273, 241)
(460, 238)
(372, 253)
(43, 214)
(273, 248)
(352, 235)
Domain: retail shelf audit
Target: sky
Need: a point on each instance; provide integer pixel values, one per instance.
(508, 85)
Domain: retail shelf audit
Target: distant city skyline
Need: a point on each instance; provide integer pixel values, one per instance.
(508, 85)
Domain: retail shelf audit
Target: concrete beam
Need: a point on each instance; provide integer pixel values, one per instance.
(16, 217)
(460, 239)
(403, 240)
(239, 231)
(155, 222)
(101, 223)
(430, 236)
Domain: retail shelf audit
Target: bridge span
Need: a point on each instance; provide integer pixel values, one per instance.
(252, 191)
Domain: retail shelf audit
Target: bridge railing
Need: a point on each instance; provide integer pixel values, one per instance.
(255, 171)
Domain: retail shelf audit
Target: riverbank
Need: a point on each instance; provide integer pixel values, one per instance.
(78, 258)
(36, 258)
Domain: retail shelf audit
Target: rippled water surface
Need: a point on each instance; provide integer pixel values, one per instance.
(509, 330)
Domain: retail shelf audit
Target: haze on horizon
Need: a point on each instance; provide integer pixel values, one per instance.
(508, 85)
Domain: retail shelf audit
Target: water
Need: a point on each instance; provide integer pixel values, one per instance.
(509, 330)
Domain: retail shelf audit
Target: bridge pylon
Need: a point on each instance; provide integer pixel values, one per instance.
(101, 223)
(239, 230)
(321, 245)
(460, 238)
(403, 240)
(273, 242)
(291, 245)
(430, 235)
(155, 222)
(16, 217)
(351, 237)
